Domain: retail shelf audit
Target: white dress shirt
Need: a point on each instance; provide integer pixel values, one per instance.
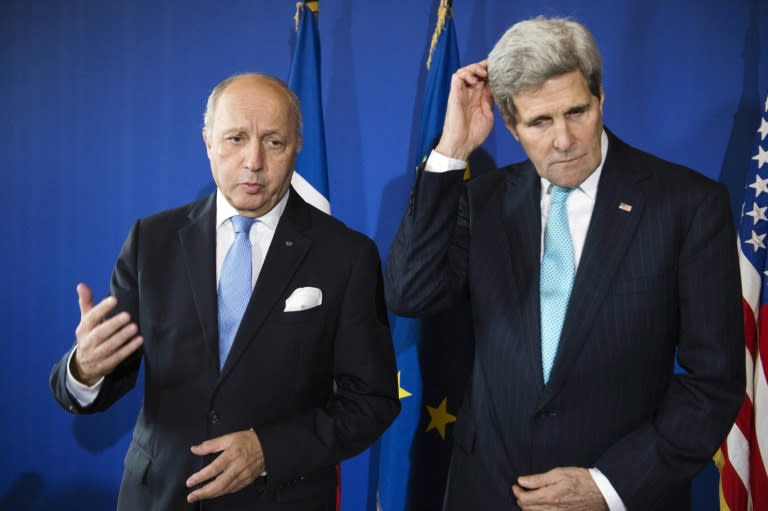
(580, 204)
(261, 234)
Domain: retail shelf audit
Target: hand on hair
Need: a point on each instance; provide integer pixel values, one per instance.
(469, 116)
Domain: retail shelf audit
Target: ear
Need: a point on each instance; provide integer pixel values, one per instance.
(206, 141)
(511, 126)
(602, 98)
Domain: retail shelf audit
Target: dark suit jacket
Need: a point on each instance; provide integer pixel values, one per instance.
(658, 279)
(279, 376)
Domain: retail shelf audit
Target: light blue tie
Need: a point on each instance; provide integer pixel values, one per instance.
(234, 285)
(557, 271)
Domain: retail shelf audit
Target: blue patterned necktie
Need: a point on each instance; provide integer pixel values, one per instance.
(557, 271)
(234, 285)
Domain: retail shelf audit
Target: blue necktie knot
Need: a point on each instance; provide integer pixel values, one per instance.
(242, 224)
(560, 194)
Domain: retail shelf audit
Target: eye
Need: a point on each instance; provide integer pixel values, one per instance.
(539, 123)
(274, 143)
(577, 112)
(236, 139)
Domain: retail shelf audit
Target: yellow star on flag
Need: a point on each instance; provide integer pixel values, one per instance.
(440, 418)
(401, 392)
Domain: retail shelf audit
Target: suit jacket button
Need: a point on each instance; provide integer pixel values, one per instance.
(214, 418)
(546, 413)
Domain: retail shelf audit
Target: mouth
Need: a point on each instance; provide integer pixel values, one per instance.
(251, 187)
(569, 160)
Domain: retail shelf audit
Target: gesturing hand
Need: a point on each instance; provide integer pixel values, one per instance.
(469, 114)
(239, 463)
(568, 488)
(101, 343)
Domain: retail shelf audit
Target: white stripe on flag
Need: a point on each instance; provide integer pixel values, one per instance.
(751, 282)
(738, 454)
(309, 193)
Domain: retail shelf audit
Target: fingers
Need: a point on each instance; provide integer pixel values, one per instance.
(211, 446)
(560, 488)
(534, 481)
(102, 344)
(469, 112)
(473, 73)
(206, 473)
(91, 316)
(228, 479)
(240, 462)
(84, 298)
(92, 362)
(118, 340)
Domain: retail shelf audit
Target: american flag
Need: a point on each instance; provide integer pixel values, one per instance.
(743, 457)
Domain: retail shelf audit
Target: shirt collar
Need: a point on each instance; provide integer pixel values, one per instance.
(589, 186)
(225, 211)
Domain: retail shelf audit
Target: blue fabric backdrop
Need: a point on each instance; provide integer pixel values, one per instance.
(101, 106)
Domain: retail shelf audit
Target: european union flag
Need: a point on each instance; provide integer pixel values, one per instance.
(433, 355)
(311, 176)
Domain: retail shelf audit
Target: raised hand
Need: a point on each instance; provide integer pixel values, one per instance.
(102, 344)
(469, 115)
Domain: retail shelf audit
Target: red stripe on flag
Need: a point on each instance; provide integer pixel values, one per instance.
(758, 481)
(733, 491)
(744, 420)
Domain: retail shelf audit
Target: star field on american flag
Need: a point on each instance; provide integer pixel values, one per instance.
(754, 230)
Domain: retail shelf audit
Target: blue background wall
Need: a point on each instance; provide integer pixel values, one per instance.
(101, 106)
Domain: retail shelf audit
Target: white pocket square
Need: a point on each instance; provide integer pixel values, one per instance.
(303, 298)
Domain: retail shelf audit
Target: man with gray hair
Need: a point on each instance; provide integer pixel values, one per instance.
(589, 267)
(260, 322)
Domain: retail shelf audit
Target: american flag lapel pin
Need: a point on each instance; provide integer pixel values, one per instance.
(625, 207)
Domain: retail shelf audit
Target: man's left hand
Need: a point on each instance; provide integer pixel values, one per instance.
(567, 488)
(241, 461)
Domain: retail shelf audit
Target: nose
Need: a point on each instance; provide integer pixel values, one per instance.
(253, 159)
(563, 138)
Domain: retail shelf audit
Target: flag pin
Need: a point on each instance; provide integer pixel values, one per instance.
(288, 243)
(625, 207)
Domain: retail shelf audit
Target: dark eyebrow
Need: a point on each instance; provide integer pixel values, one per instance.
(233, 131)
(538, 118)
(578, 109)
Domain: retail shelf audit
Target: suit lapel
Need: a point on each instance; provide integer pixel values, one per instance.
(521, 216)
(610, 233)
(198, 243)
(288, 248)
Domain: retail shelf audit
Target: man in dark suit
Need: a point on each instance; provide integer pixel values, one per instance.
(256, 419)
(588, 267)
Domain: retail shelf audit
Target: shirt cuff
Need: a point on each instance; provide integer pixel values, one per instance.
(440, 163)
(608, 492)
(83, 394)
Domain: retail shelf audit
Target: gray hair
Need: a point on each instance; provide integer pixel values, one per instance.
(533, 51)
(213, 98)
